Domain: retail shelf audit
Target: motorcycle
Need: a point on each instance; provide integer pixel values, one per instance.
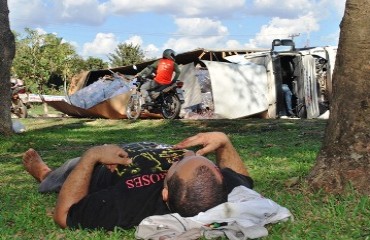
(166, 100)
(19, 106)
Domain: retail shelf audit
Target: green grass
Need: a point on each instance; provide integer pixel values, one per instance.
(275, 151)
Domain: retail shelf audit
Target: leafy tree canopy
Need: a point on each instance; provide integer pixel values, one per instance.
(45, 61)
(126, 54)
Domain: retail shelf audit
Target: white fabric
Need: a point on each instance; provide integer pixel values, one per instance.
(244, 216)
(238, 90)
(17, 126)
(192, 90)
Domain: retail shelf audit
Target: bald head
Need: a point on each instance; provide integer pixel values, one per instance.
(194, 185)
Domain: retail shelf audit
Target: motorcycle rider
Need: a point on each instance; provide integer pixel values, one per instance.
(163, 70)
(19, 106)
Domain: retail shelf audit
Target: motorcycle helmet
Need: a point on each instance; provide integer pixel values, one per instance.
(169, 54)
(13, 82)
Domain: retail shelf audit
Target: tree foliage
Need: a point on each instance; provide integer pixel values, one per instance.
(40, 56)
(126, 54)
(92, 63)
(44, 61)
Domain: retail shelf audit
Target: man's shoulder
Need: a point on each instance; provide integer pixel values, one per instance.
(234, 179)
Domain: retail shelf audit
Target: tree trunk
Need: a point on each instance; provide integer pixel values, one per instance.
(7, 52)
(344, 159)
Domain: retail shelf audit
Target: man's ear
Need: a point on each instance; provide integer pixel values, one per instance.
(165, 194)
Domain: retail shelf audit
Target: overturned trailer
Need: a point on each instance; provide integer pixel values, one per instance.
(230, 83)
(251, 84)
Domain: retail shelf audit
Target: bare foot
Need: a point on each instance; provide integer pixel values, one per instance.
(34, 165)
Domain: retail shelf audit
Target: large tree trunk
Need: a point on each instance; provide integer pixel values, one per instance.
(345, 156)
(7, 51)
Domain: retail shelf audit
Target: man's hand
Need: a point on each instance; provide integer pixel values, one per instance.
(226, 154)
(108, 155)
(211, 141)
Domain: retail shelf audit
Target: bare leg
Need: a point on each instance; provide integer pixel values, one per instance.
(34, 165)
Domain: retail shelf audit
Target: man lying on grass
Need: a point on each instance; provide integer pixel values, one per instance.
(112, 185)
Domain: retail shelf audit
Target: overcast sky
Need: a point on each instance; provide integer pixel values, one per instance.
(95, 27)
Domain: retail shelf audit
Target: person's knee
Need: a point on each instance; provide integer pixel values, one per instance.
(285, 87)
(144, 93)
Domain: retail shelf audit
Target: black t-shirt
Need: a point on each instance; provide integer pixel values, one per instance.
(132, 193)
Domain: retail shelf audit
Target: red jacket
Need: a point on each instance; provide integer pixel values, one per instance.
(164, 71)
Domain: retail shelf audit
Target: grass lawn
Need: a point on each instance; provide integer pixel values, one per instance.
(277, 152)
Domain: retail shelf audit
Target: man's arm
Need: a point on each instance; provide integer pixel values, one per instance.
(226, 154)
(148, 70)
(77, 184)
(177, 72)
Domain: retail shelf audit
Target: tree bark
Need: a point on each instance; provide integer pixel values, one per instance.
(7, 52)
(344, 159)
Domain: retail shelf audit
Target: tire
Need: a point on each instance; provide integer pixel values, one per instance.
(301, 111)
(171, 107)
(133, 109)
(20, 109)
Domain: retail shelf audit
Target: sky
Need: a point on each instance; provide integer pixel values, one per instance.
(96, 27)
